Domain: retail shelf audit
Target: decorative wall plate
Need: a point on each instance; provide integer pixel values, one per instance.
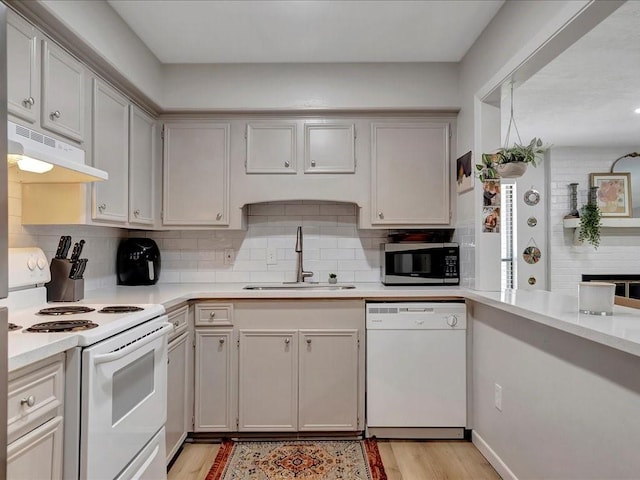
(532, 221)
(531, 255)
(531, 197)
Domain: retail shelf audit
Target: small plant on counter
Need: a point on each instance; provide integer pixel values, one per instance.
(590, 224)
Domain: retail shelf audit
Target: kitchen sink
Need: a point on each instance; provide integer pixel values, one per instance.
(298, 286)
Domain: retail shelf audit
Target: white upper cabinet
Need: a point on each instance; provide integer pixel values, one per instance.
(142, 137)
(196, 174)
(410, 174)
(62, 92)
(329, 148)
(271, 147)
(23, 99)
(110, 153)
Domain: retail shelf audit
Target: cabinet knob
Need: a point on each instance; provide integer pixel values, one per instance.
(309, 341)
(221, 340)
(136, 212)
(212, 314)
(219, 216)
(176, 323)
(28, 102)
(287, 341)
(29, 401)
(102, 207)
(287, 164)
(380, 215)
(55, 115)
(313, 163)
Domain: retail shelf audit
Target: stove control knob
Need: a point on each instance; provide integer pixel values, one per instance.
(42, 263)
(452, 320)
(31, 264)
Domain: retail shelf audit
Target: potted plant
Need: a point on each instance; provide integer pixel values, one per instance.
(510, 162)
(333, 278)
(590, 216)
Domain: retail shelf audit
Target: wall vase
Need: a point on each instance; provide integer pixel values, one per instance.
(511, 170)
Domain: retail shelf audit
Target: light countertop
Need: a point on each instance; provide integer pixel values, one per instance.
(620, 331)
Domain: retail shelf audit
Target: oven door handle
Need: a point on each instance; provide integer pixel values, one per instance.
(136, 344)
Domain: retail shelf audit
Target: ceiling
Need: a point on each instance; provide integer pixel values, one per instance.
(269, 31)
(588, 94)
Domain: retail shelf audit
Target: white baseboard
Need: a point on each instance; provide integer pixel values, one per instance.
(495, 461)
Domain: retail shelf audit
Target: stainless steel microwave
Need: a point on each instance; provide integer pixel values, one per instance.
(420, 264)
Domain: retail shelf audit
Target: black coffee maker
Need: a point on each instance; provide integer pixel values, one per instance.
(138, 262)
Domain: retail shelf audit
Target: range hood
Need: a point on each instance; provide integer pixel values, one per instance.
(42, 159)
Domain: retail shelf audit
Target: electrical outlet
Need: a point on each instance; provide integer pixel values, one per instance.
(497, 396)
(271, 256)
(229, 256)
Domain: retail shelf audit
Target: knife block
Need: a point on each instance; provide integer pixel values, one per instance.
(61, 288)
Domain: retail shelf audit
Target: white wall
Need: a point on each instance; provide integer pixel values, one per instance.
(570, 407)
(332, 243)
(618, 251)
(100, 248)
(328, 86)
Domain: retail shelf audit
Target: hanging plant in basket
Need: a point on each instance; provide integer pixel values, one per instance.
(590, 225)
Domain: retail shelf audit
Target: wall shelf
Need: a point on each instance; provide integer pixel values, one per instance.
(608, 222)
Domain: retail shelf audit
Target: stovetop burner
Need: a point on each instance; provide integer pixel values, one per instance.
(12, 326)
(61, 326)
(69, 310)
(120, 309)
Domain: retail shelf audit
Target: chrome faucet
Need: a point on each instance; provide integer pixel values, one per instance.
(300, 274)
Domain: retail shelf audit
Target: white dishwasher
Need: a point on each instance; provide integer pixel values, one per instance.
(416, 370)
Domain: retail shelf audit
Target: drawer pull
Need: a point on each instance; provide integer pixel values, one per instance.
(176, 323)
(30, 401)
(55, 115)
(28, 102)
(287, 341)
(221, 340)
(212, 314)
(309, 341)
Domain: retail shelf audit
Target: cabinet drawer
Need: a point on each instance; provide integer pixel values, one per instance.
(35, 395)
(179, 318)
(214, 315)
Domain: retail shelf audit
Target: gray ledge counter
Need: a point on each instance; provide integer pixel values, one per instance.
(620, 330)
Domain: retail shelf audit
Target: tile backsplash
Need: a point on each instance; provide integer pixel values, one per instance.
(332, 244)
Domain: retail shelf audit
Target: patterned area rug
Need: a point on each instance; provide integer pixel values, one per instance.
(298, 460)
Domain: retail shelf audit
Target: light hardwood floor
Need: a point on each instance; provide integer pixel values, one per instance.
(403, 460)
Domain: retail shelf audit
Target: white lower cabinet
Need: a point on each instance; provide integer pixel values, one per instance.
(35, 405)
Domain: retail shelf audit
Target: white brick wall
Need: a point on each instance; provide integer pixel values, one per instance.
(332, 243)
(100, 248)
(618, 251)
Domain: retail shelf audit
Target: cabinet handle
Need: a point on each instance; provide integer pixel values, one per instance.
(313, 163)
(380, 215)
(221, 340)
(176, 323)
(29, 401)
(136, 212)
(28, 102)
(287, 164)
(212, 314)
(309, 341)
(287, 341)
(55, 115)
(102, 207)
(219, 216)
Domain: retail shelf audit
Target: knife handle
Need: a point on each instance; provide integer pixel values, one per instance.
(74, 270)
(76, 252)
(63, 240)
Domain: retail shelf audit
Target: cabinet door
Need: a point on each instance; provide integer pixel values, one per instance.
(329, 148)
(268, 386)
(110, 153)
(214, 380)
(271, 148)
(38, 454)
(328, 380)
(178, 417)
(142, 133)
(22, 69)
(196, 174)
(62, 92)
(410, 173)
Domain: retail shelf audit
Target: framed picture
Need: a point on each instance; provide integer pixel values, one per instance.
(614, 193)
(465, 173)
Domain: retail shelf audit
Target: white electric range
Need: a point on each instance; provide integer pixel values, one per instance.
(115, 373)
